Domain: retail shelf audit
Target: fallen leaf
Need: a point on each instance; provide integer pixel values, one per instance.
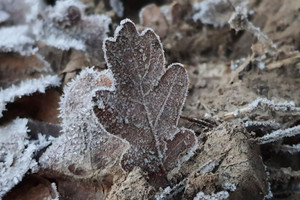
(145, 107)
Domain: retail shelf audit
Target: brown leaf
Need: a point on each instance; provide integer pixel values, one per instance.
(144, 109)
(15, 68)
(84, 149)
(152, 16)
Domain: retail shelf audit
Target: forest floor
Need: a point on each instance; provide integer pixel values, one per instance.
(244, 85)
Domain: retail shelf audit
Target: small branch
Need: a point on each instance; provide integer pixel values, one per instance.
(290, 148)
(279, 134)
(202, 122)
(264, 105)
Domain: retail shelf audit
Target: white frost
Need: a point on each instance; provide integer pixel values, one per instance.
(290, 148)
(16, 39)
(229, 186)
(279, 134)
(16, 153)
(214, 196)
(25, 88)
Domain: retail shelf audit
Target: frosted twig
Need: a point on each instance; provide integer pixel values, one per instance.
(264, 104)
(290, 148)
(265, 126)
(279, 134)
(270, 194)
(169, 192)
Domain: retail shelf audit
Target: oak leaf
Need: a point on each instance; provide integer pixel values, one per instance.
(144, 109)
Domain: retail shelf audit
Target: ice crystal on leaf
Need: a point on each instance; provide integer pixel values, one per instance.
(25, 88)
(84, 148)
(145, 107)
(16, 153)
(16, 39)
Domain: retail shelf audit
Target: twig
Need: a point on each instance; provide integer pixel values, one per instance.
(264, 105)
(279, 134)
(203, 122)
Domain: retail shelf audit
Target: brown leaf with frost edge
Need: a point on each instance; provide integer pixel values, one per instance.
(144, 109)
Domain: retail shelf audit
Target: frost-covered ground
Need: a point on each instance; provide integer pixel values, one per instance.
(91, 106)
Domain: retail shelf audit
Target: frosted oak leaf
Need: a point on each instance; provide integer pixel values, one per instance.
(84, 149)
(144, 109)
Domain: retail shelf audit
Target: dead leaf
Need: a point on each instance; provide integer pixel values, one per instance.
(144, 109)
(15, 68)
(151, 16)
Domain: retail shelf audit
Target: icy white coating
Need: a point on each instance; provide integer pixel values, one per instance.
(146, 100)
(266, 104)
(16, 153)
(279, 134)
(269, 124)
(229, 186)
(270, 194)
(16, 39)
(26, 88)
(169, 193)
(209, 166)
(117, 6)
(214, 196)
(83, 136)
(292, 149)
(62, 41)
(54, 188)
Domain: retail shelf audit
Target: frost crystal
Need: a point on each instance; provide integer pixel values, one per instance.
(263, 104)
(16, 153)
(279, 134)
(218, 196)
(25, 88)
(270, 194)
(16, 39)
(290, 148)
(145, 107)
(229, 186)
(84, 147)
(54, 188)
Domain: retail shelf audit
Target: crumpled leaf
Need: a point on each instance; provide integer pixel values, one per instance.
(26, 88)
(145, 107)
(84, 148)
